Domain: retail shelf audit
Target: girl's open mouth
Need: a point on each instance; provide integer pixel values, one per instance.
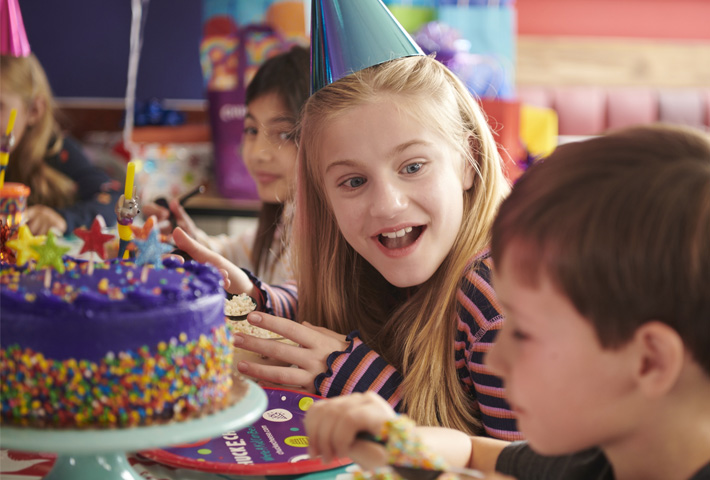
(401, 238)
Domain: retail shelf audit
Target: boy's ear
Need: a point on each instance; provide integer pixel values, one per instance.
(36, 111)
(661, 356)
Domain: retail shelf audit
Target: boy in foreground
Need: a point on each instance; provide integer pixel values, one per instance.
(602, 267)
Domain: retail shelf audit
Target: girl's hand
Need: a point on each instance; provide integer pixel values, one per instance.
(315, 344)
(161, 214)
(182, 219)
(41, 218)
(332, 426)
(235, 280)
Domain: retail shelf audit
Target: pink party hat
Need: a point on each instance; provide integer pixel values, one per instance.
(349, 35)
(13, 39)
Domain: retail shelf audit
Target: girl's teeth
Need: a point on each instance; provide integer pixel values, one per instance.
(398, 233)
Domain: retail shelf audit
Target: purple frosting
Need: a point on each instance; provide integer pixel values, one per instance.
(113, 309)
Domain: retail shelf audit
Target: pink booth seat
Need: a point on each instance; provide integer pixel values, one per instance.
(682, 106)
(536, 96)
(581, 110)
(631, 106)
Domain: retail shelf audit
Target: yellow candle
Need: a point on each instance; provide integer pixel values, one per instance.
(124, 231)
(5, 155)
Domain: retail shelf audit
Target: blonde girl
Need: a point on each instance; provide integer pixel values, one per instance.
(66, 190)
(399, 182)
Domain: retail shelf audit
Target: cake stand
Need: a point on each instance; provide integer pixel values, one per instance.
(92, 454)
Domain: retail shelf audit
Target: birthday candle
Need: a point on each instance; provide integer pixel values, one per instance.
(124, 231)
(5, 147)
(130, 175)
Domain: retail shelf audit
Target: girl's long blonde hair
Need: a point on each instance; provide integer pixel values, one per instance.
(414, 330)
(24, 76)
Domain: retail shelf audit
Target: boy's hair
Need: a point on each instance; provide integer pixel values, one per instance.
(620, 224)
(25, 77)
(287, 75)
(340, 290)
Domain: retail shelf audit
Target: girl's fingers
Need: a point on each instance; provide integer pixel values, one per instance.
(183, 219)
(285, 376)
(270, 348)
(305, 335)
(236, 279)
(201, 253)
(225, 278)
(324, 331)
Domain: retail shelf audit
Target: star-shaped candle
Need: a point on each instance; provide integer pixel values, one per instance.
(23, 245)
(151, 249)
(94, 238)
(50, 254)
(143, 232)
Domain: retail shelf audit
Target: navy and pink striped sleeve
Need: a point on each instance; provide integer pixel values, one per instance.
(479, 320)
(359, 369)
(280, 300)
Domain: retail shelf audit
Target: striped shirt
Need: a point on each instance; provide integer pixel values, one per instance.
(359, 368)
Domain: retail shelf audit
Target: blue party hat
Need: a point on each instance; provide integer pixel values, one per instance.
(349, 35)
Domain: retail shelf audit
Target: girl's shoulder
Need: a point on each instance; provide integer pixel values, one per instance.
(477, 299)
(481, 265)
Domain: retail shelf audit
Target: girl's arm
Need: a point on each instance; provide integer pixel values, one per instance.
(236, 249)
(280, 300)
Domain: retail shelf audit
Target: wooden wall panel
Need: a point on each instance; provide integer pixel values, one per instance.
(562, 60)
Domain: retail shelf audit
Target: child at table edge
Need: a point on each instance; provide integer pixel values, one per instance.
(66, 190)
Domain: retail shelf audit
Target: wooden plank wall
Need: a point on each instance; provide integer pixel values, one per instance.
(564, 60)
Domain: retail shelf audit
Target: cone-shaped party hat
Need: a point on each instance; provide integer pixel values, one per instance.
(349, 35)
(13, 39)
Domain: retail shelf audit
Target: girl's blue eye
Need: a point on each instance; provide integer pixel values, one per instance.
(250, 131)
(354, 182)
(413, 168)
(285, 136)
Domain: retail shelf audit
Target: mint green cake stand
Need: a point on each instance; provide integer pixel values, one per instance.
(94, 454)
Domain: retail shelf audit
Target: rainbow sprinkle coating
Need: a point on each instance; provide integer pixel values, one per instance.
(112, 344)
(171, 382)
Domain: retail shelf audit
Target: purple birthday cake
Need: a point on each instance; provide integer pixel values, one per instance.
(113, 345)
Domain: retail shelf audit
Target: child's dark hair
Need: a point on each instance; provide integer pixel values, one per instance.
(620, 224)
(287, 75)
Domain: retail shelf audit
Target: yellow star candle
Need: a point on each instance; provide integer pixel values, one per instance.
(23, 245)
(5, 146)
